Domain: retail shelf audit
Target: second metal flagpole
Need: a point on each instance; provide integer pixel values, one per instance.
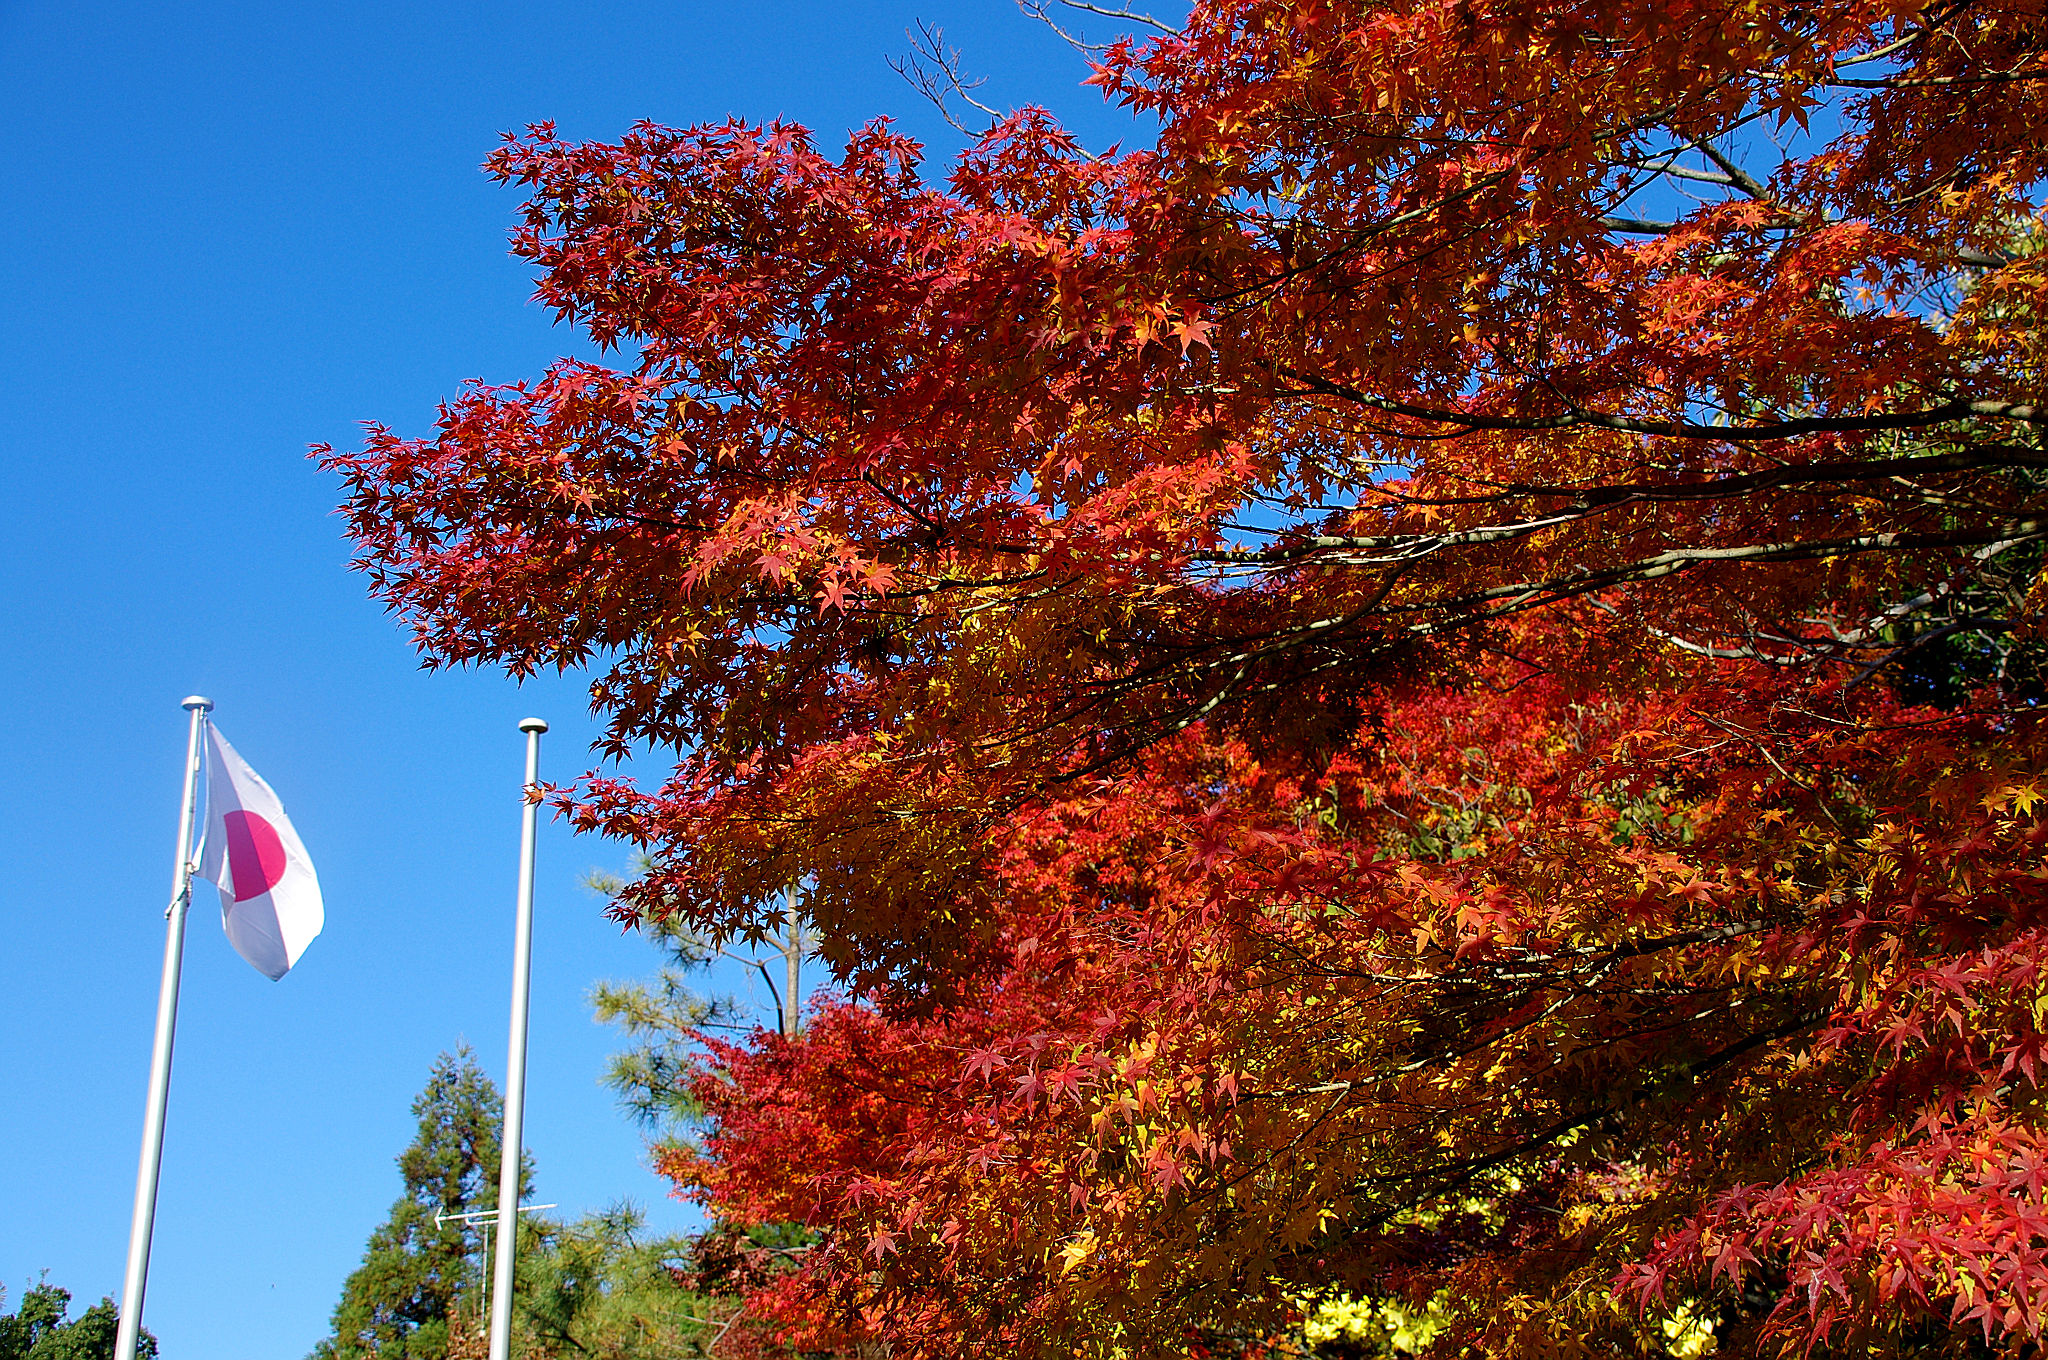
(144, 1222)
(509, 1146)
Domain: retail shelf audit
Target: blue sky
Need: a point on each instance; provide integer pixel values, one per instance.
(231, 231)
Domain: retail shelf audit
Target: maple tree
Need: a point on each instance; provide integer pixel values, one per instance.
(1330, 679)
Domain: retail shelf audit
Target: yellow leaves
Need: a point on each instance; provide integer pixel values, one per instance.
(1077, 1250)
(1374, 1324)
(2020, 799)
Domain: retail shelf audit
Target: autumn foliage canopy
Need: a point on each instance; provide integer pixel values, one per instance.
(1417, 692)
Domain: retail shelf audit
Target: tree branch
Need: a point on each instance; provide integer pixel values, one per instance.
(1946, 413)
(935, 71)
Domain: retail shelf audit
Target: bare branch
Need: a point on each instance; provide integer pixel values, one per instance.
(1670, 166)
(1037, 10)
(1638, 226)
(1737, 176)
(935, 71)
(1125, 13)
(1041, 10)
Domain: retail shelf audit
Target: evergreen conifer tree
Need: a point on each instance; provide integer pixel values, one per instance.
(661, 1020)
(418, 1282)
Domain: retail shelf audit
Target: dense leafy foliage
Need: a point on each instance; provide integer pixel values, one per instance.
(1709, 993)
(1417, 696)
(39, 1330)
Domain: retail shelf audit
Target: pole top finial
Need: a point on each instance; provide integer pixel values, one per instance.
(198, 701)
(533, 724)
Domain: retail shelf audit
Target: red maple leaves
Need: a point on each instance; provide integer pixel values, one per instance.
(1349, 1033)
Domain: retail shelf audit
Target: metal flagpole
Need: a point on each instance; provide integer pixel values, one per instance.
(509, 1147)
(144, 1222)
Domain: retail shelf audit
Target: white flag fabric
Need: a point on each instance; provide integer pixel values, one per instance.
(269, 899)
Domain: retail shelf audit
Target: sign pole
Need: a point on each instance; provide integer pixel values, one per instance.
(510, 1146)
(144, 1221)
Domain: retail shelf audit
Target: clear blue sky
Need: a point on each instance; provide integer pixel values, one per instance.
(230, 231)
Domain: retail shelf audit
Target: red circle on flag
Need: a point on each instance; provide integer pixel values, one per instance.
(255, 854)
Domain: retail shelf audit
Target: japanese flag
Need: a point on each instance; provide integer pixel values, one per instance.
(269, 898)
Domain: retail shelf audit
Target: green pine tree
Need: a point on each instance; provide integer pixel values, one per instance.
(602, 1288)
(660, 1020)
(419, 1280)
(37, 1330)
